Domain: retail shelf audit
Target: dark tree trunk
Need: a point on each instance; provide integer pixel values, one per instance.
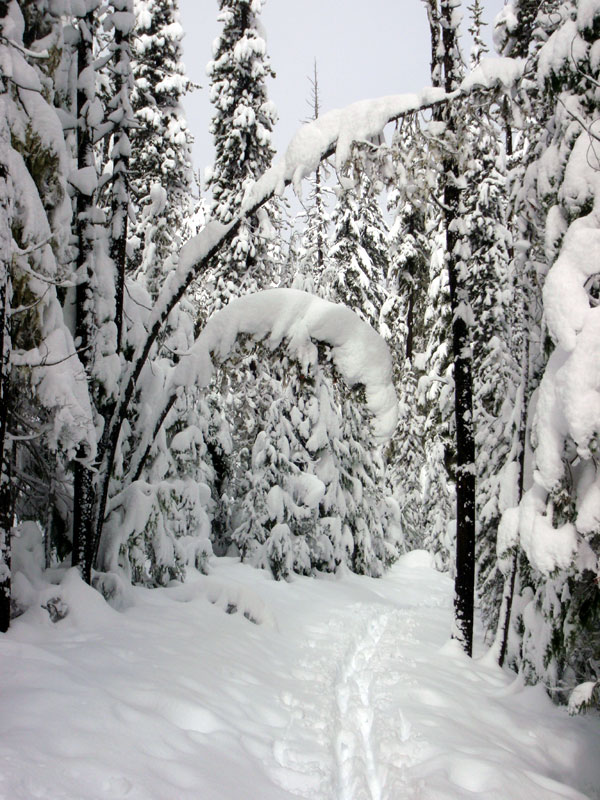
(464, 585)
(5, 292)
(5, 484)
(83, 484)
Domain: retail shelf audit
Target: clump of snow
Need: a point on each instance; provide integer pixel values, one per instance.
(360, 355)
(564, 46)
(582, 695)
(588, 11)
(547, 547)
(494, 72)
(61, 388)
(566, 301)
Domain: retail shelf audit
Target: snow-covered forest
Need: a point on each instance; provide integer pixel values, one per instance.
(191, 376)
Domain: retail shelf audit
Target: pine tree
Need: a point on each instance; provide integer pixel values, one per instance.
(559, 643)
(242, 126)
(358, 254)
(446, 70)
(39, 435)
(161, 170)
(404, 319)
(497, 337)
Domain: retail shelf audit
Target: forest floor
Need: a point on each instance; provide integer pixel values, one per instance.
(235, 687)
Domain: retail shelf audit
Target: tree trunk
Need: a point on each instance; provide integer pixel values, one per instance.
(464, 586)
(5, 298)
(5, 491)
(83, 484)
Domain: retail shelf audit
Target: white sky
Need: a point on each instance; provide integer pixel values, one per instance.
(363, 49)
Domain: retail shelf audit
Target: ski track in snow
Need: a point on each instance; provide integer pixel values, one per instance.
(384, 707)
(349, 672)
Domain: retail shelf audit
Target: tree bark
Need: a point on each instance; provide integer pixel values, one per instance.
(464, 585)
(83, 489)
(5, 298)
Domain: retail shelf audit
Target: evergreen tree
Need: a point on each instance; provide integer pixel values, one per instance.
(242, 126)
(446, 71)
(497, 337)
(559, 607)
(38, 436)
(161, 170)
(404, 319)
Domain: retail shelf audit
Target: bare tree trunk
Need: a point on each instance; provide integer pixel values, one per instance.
(5, 298)
(446, 68)
(5, 487)
(83, 488)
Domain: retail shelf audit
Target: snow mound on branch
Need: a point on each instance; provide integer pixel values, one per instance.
(492, 72)
(360, 355)
(335, 131)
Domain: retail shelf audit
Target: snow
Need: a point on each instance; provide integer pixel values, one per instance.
(587, 13)
(493, 72)
(85, 180)
(547, 547)
(358, 352)
(234, 685)
(62, 389)
(564, 46)
(337, 129)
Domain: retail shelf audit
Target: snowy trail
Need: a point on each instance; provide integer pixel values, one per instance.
(386, 708)
(351, 664)
(236, 687)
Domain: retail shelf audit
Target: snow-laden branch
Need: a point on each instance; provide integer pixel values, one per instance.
(358, 352)
(330, 134)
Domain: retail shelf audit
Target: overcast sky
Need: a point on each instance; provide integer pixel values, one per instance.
(363, 48)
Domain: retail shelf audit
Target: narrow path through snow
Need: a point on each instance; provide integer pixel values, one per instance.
(345, 704)
(385, 708)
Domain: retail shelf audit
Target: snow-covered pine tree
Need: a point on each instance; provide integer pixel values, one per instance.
(524, 123)
(242, 125)
(169, 480)
(557, 522)
(446, 71)
(404, 318)
(358, 254)
(356, 276)
(120, 115)
(497, 337)
(276, 520)
(38, 435)
(435, 402)
(161, 176)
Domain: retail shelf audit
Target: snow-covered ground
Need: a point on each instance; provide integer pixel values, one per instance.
(235, 687)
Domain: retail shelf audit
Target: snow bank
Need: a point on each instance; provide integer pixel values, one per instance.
(358, 352)
(235, 686)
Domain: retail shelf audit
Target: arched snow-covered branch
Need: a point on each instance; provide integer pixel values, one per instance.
(316, 140)
(359, 354)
